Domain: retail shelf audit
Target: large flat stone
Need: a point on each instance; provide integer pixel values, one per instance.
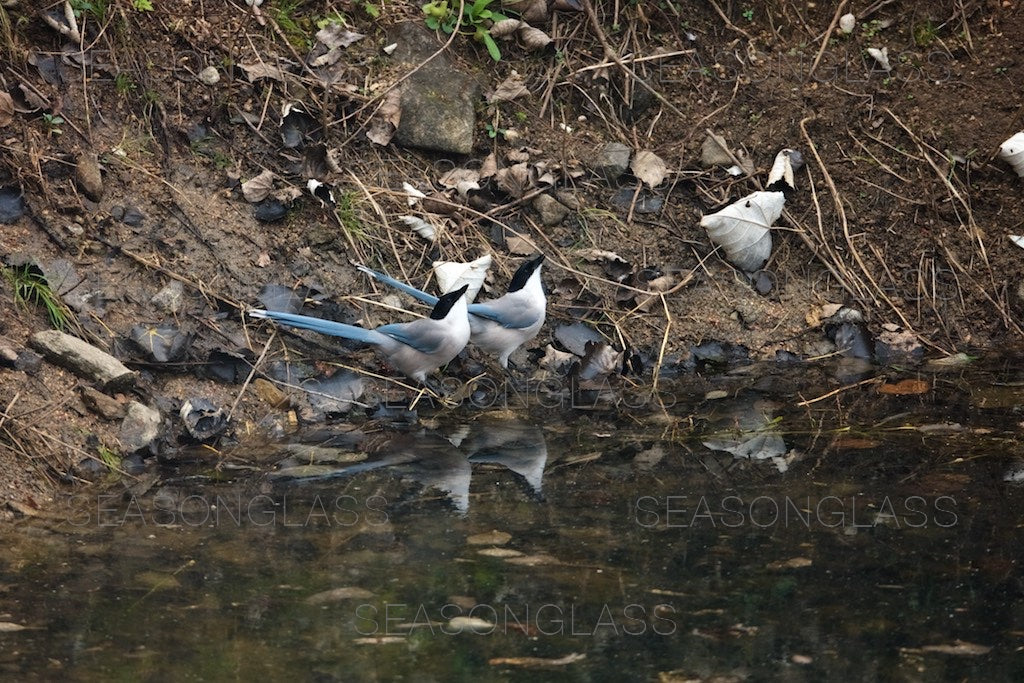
(83, 359)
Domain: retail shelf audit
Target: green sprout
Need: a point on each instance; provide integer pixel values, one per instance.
(31, 287)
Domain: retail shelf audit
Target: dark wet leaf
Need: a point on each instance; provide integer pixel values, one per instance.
(129, 215)
(646, 202)
(227, 367)
(905, 387)
(296, 126)
(854, 340)
(49, 68)
(599, 361)
(574, 338)
(270, 211)
(12, 204)
(161, 343)
(334, 395)
(203, 420)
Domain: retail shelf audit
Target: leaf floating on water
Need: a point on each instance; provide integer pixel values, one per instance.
(490, 538)
(533, 560)
(474, 624)
(793, 563)
(379, 640)
(11, 627)
(338, 594)
(537, 662)
(958, 647)
(649, 167)
(743, 229)
(501, 553)
(906, 387)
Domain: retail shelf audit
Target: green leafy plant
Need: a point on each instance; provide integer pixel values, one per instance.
(123, 84)
(925, 34)
(97, 8)
(441, 15)
(143, 5)
(53, 123)
(347, 215)
(335, 19)
(31, 287)
(748, 13)
(372, 9)
(111, 459)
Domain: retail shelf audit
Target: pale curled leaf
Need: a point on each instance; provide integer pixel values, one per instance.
(512, 87)
(649, 167)
(453, 274)
(1012, 152)
(505, 27)
(533, 38)
(257, 189)
(742, 229)
(514, 180)
(420, 227)
(259, 70)
(336, 35)
(6, 109)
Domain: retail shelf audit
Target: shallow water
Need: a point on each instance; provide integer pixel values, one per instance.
(863, 536)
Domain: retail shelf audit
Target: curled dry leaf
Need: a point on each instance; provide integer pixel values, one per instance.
(453, 274)
(881, 56)
(336, 35)
(714, 151)
(505, 28)
(489, 167)
(457, 176)
(414, 195)
(742, 229)
(259, 70)
(514, 180)
(533, 38)
(420, 227)
(512, 87)
(649, 167)
(386, 119)
(257, 189)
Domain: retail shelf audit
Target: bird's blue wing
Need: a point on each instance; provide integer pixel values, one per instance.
(418, 294)
(514, 317)
(425, 338)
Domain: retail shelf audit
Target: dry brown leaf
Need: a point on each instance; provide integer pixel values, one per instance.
(519, 246)
(457, 176)
(533, 38)
(905, 387)
(512, 87)
(514, 180)
(792, 563)
(385, 121)
(489, 167)
(336, 35)
(257, 189)
(715, 151)
(259, 70)
(505, 28)
(263, 260)
(649, 167)
(6, 109)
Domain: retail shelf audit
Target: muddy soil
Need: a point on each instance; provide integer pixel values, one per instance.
(902, 211)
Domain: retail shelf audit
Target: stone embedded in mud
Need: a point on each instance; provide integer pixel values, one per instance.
(28, 362)
(438, 106)
(170, 298)
(209, 75)
(99, 403)
(611, 161)
(87, 173)
(270, 211)
(140, 427)
(202, 419)
(8, 356)
(550, 210)
(83, 359)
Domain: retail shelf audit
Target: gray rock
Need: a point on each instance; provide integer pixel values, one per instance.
(438, 110)
(87, 173)
(139, 428)
(28, 362)
(551, 211)
(209, 75)
(82, 358)
(170, 298)
(611, 161)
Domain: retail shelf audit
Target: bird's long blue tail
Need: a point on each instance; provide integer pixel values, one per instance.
(418, 294)
(328, 327)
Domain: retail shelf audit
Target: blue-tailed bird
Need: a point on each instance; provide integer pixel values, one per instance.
(502, 325)
(415, 348)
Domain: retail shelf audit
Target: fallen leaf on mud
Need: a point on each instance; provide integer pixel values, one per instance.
(958, 647)
(337, 594)
(6, 109)
(161, 343)
(514, 180)
(420, 227)
(537, 662)
(490, 538)
(533, 38)
(296, 124)
(489, 167)
(905, 387)
(505, 28)
(556, 361)
(270, 394)
(599, 361)
(413, 195)
(793, 563)
(742, 229)
(336, 35)
(575, 337)
(263, 260)
(519, 246)
(459, 177)
(512, 87)
(649, 167)
(257, 189)
(957, 360)
(259, 70)
(385, 121)
(714, 151)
